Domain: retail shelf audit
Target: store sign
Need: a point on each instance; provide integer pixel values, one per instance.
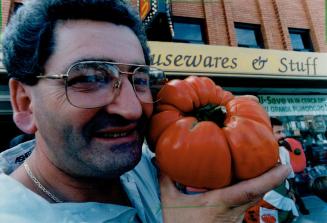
(187, 59)
(292, 105)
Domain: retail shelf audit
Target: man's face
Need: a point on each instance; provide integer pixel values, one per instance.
(100, 142)
(278, 132)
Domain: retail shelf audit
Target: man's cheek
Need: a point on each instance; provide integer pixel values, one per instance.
(147, 109)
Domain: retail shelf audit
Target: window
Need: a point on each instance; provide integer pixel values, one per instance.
(188, 30)
(300, 39)
(248, 35)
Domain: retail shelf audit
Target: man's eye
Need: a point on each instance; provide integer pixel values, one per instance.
(85, 83)
(141, 81)
(87, 79)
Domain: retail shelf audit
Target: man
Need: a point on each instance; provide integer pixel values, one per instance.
(282, 197)
(285, 157)
(79, 82)
(277, 204)
(298, 162)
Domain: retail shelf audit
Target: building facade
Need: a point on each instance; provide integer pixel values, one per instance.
(274, 17)
(274, 49)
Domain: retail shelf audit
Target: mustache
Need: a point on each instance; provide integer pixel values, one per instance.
(104, 120)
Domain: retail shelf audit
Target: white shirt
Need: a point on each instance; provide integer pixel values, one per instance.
(276, 199)
(18, 204)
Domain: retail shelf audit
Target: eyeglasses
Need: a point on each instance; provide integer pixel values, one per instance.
(93, 84)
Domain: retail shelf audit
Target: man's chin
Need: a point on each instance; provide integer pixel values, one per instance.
(113, 171)
(127, 157)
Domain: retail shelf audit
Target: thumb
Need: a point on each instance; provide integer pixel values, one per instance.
(167, 186)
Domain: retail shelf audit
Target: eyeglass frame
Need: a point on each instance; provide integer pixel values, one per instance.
(116, 85)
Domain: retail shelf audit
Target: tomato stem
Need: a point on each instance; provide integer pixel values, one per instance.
(213, 113)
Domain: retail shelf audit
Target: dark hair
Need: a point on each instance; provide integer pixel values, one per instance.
(29, 40)
(275, 121)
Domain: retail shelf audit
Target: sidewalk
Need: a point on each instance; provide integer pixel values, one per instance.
(317, 208)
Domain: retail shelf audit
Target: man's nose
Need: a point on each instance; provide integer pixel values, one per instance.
(126, 103)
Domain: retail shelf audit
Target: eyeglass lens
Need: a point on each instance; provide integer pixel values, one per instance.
(92, 84)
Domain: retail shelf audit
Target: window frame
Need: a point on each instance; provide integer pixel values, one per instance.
(305, 37)
(191, 21)
(257, 32)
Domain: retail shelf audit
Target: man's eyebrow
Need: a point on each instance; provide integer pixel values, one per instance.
(93, 59)
(103, 60)
(100, 59)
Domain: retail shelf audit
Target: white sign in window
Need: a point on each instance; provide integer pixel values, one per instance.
(293, 105)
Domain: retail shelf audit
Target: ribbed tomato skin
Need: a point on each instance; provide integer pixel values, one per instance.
(200, 153)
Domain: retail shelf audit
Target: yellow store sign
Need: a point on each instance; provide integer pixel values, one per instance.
(195, 59)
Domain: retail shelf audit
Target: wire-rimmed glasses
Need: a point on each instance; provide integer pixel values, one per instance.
(92, 84)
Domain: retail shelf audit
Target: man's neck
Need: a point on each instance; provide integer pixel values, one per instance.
(68, 188)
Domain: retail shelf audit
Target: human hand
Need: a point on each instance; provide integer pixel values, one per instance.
(220, 205)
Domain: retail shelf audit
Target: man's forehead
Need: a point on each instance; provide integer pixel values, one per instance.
(95, 40)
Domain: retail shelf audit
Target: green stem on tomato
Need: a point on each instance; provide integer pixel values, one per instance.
(213, 113)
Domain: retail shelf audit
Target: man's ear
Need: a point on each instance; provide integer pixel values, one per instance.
(21, 103)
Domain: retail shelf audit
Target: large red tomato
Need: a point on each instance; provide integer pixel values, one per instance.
(204, 136)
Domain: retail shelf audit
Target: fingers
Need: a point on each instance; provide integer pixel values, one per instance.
(240, 196)
(250, 190)
(242, 208)
(233, 215)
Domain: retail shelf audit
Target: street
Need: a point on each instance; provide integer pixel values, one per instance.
(317, 208)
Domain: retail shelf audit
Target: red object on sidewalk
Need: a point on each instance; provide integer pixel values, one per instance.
(252, 214)
(297, 155)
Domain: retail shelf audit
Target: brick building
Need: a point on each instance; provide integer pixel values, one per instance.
(274, 17)
(274, 49)
(218, 18)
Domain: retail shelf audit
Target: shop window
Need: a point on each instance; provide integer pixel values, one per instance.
(188, 30)
(248, 35)
(311, 132)
(300, 39)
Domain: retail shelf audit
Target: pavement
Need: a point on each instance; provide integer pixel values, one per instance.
(317, 208)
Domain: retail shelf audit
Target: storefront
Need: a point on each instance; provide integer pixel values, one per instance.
(304, 118)
(292, 86)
